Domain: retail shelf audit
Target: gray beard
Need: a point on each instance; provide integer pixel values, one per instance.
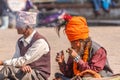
(81, 52)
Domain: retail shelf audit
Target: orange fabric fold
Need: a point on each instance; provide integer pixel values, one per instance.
(77, 28)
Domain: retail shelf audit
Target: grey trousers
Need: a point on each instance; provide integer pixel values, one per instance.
(13, 73)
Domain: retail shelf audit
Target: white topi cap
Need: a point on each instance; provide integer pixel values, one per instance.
(24, 19)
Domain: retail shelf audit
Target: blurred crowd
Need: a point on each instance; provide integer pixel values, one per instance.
(105, 4)
(7, 13)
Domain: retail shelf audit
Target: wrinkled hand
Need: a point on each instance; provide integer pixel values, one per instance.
(72, 52)
(60, 57)
(26, 69)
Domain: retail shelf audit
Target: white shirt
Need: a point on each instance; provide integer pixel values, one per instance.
(38, 48)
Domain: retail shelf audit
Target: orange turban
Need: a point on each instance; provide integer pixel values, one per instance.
(77, 28)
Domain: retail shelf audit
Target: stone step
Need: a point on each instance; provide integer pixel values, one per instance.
(103, 22)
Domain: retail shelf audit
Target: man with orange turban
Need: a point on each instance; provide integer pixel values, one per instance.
(85, 55)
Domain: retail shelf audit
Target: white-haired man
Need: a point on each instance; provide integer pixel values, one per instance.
(31, 60)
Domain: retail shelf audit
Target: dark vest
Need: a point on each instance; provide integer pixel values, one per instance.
(106, 70)
(43, 63)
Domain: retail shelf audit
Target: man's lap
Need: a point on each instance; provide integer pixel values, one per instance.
(18, 74)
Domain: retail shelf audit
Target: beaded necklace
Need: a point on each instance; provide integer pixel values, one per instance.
(85, 58)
